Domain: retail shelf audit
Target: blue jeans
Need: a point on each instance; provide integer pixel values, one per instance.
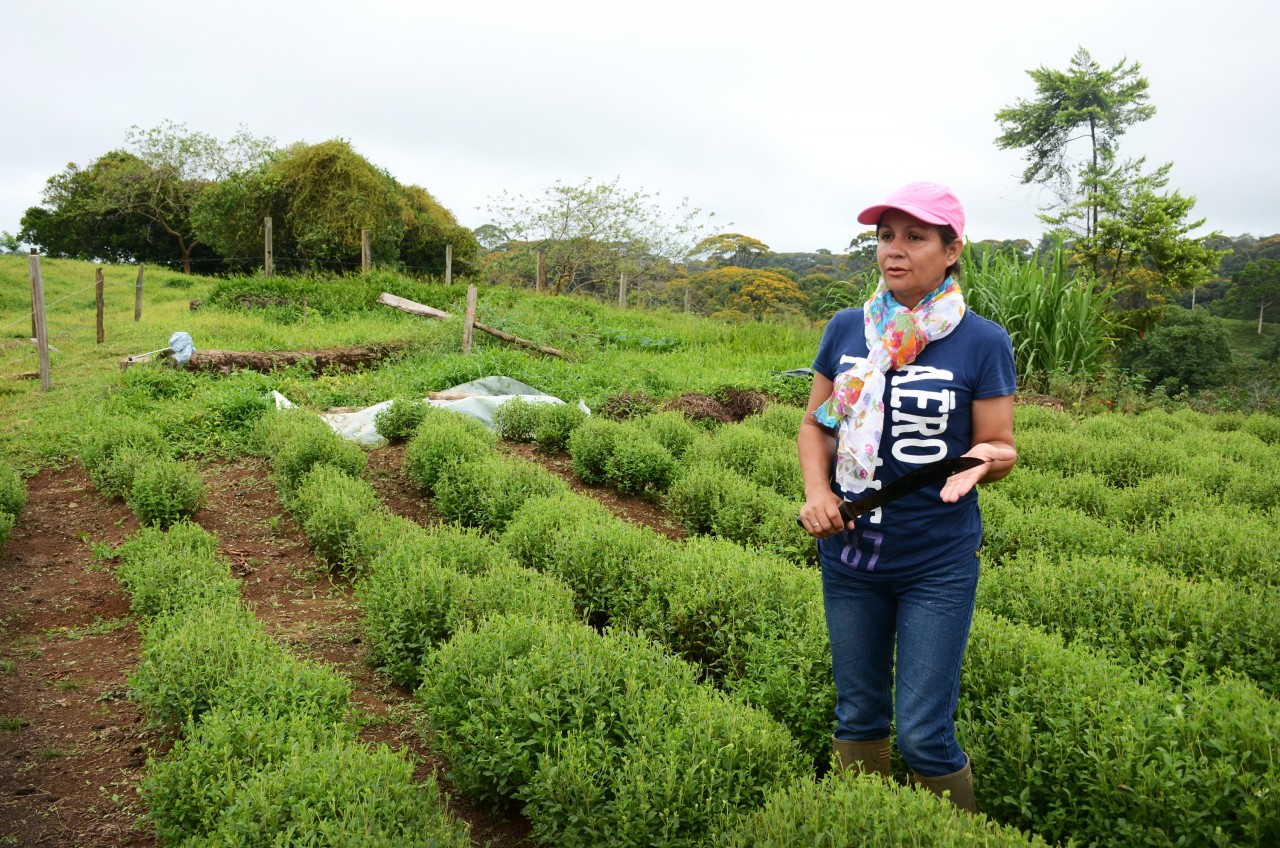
(928, 615)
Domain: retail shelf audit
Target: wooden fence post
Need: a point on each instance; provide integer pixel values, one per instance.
(469, 323)
(366, 260)
(541, 280)
(137, 294)
(622, 291)
(33, 303)
(37, 313)
(687, 299)
(448, 264)
(268, 261)
(97, 289)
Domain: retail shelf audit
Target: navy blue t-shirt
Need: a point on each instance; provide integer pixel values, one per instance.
(928, 417)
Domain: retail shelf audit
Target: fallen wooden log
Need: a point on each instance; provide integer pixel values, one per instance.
(226, 361)
(415, 308)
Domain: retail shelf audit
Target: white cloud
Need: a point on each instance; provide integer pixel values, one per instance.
(784, 119)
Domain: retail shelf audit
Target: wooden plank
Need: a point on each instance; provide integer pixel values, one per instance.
(411, 306)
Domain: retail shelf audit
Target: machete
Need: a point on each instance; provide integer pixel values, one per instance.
(906, 484)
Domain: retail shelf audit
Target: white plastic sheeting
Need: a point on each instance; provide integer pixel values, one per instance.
(485, 396)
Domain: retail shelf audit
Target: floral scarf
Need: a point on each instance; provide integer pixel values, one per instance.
(895, 336)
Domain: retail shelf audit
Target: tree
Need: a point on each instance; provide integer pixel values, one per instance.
(1100, 102)
(1121, 222)
(79, 221)
(428, 228)
(731, 249)
(171, 169)
(1142, 241)
(1186, 351)
(1255, 287)
(593, 232)
(319, 198)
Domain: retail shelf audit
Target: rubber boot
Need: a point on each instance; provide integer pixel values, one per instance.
(959, 784)
(870, 757)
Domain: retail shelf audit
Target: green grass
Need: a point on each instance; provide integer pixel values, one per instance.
(39, 429)
(1244, 338)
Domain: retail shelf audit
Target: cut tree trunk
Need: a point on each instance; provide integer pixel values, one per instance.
(226, 361)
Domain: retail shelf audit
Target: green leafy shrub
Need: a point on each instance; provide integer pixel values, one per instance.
(1143, 616)
(516, 419)
(331, 505)
(113, 450)
(556, 423)
(575, 538)
(1188, 350)
(379, 532)
(1265, 427)
(778, 419)
(709, 499)
(1242, 547)
(336, 793)
(685, 765)
(1011, 529)
(486, 491)
(442, 441)
(165, 491)
(13, 493)
(1031, 416)
(404, 603)
(670, 429)
(1056, 730)
(188, 655)
(308, 446)
(202, 656)
(845, 808)
(468, 550)
(169, 571)
(7, 523)
(505, 695)
(754, 622)
(220, 418)
(400, 420)
(188, 790)
(590, 447)
(639, 465)
(696, 497)
(510, 590)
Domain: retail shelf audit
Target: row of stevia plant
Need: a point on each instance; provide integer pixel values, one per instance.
(266, 749)
(605, 738)
(1070, 743)
(1104, 595)
(1138, 569)
(13, 498)
(739, 482)
(736, 483)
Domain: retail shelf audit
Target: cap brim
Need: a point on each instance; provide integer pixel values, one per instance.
(873, 214)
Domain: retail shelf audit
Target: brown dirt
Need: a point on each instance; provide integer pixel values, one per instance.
(73, 747)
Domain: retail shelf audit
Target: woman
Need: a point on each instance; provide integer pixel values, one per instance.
(908, 379)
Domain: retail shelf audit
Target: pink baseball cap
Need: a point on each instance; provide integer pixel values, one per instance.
(932, 203)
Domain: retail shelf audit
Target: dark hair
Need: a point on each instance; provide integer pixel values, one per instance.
(948, 234)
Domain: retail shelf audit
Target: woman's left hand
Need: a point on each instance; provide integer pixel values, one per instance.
(995, 456)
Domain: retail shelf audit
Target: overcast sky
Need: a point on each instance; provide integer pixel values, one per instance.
(783, 118)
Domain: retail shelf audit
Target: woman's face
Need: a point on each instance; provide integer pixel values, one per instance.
(912, 257)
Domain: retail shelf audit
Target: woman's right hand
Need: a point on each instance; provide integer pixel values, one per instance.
(820, 515)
